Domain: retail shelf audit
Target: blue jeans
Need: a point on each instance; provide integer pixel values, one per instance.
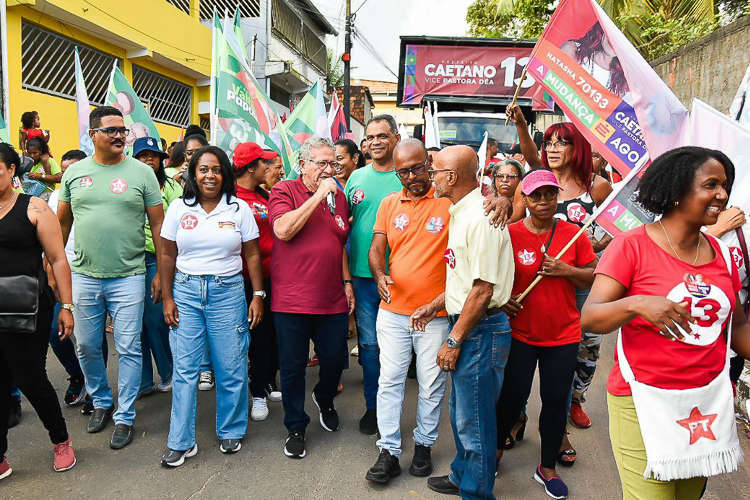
(123, 299)
(155, 334)
(396, 342)
(475, 387)
(65, 350)
(212, 311)
(366, 314)
(294, 331)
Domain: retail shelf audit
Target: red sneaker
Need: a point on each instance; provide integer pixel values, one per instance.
(578, 417)
(64, 456)
(5, 469)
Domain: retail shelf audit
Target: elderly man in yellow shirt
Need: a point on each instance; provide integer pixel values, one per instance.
(479, 279)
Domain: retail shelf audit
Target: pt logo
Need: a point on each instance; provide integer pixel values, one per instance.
(358, 197)
(526, 257)
(739, 260)
(450, 257)
(699, 425)
(340, 222)
(401, 222)
(260, 210)
(86, 182)
(118, 186)
(576, 213)
(189, 222)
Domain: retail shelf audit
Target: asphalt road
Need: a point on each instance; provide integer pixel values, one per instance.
(333, 469)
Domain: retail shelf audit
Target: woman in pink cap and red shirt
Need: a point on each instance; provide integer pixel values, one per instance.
(251, 164)
(546, 328)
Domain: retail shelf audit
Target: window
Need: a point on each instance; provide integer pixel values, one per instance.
(48, 65)
(248, 8)
(183, 5)
(280, 95)
(287, 24)
(167, 100)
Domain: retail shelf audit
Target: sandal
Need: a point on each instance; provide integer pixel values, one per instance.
(569, 453)
(510, 442)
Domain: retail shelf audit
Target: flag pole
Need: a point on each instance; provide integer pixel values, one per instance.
(515, 94)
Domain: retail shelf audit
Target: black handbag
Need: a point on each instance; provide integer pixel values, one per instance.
(19, 307)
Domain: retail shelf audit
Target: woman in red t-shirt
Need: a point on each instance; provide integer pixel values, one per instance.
(251, 163)
(546, 329)
(669, 287)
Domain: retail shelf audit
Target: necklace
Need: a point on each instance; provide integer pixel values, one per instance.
(9, 201)
(697, 250)
(544, 245)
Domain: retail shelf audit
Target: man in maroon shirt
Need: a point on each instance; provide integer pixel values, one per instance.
(312, 292)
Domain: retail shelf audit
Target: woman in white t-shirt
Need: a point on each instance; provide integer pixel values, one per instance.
(204, 236)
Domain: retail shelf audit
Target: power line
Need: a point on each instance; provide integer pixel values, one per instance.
(361, 5)
(369, 47)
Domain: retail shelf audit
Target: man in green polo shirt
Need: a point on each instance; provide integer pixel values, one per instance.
(110, 195)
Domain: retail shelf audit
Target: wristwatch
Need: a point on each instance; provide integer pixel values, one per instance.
(44, 176)
(452, 343)
(260, 293)
(68, 307)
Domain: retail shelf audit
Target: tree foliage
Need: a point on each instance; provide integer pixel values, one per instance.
(334, 70)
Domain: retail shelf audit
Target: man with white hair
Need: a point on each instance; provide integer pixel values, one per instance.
(312, 291)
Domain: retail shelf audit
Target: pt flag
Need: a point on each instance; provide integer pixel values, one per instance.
(121, 95)
(621, 212)
(84, 110)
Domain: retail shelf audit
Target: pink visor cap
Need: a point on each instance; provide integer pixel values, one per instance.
(536, 179)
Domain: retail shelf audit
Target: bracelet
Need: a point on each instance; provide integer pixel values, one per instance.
(347, 282)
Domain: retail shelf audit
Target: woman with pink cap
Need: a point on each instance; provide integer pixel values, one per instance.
(550, 340)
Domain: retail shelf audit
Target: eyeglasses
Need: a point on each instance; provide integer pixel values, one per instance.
(417, 170)
(536, 196)
(506, 177)
(113, 132)
(433, 172)
(556, 144)
(323, 164)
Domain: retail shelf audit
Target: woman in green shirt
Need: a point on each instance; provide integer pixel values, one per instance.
(155, 332)
(45, 169)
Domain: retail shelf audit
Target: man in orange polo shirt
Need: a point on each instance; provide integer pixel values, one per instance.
(413, 225)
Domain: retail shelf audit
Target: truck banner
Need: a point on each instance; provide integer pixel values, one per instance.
(464, 71)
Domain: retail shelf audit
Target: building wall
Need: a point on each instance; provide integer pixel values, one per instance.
(183, 43)
(711, 68)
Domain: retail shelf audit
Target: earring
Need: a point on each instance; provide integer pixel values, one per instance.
(676, 203)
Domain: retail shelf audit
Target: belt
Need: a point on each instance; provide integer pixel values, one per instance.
(492, 311)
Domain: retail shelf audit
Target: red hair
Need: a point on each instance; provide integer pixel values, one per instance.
(582, 164)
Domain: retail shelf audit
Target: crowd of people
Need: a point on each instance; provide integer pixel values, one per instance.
(221, 275)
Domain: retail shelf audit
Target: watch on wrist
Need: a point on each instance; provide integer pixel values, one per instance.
(68, 307)
(452, 343)
(348, 282)
(260, 293)
(44, 176)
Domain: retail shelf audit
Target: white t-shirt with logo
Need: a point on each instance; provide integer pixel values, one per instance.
(209, 244)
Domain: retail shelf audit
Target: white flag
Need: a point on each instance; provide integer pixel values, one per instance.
(84, 110)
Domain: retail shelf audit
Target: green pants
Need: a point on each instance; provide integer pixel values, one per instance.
(630, 455)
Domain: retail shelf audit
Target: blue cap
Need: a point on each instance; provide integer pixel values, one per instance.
(148, 144)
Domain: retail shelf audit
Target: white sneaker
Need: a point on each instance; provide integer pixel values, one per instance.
(164, 386)
(355, 351)
(206, 381)
(260, 409)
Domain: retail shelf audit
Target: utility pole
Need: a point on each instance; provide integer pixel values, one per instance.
(347, 57)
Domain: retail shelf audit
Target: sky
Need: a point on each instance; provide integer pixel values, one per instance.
(382, 22)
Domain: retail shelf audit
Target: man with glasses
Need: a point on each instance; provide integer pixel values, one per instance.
(365, 190)
(413, 224)
(110, 195)
(479, 278)
(312, 292)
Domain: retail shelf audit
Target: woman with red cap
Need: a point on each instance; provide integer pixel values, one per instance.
(251, 165)
(551, 340)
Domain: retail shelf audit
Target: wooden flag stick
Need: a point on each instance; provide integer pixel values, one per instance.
(515, 94)
(565, 249)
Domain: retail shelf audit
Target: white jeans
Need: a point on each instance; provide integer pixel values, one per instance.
(396, 341)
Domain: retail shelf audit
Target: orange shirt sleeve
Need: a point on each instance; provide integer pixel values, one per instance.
(381, 225)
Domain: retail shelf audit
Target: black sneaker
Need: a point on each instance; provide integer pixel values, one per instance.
(295, 444)
(175, 458)
(14, 417)
(443, 484)
(88, 406)
(230, 445)
(273, 391)
(421, 464)
(385, 468)
(76, 392)
(329, 418)
(368, 424)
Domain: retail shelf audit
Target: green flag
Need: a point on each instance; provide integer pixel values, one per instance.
(4, 132)
(238, 34)
(121, 95)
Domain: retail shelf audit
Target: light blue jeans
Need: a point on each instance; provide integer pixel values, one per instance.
(212, 312)
(366, 313)
(396, 341)
(123, 299)
(155, 334)
(475, 387)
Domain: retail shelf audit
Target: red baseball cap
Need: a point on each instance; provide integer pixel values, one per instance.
(246, 152)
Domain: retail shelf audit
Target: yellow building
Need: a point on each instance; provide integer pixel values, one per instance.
(160, 45)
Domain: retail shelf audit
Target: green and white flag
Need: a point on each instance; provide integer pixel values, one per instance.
(121, 95)
(241, 111)
(84, 109)
(238, 35)
(4, 132)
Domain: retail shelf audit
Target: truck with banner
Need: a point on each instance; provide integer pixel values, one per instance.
(472, 81)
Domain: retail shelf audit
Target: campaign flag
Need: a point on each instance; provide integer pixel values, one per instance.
(4, 132)
(333, 109)
(84, 110)
(308, 118)
(621, 212)
(336, 119)
(241, 111)
(542, 101)
(121, 95)
(711, 129)
(482, 154)
(237, 29)
(431, 137)
(740, 108)
(403, 131)
(624, 110)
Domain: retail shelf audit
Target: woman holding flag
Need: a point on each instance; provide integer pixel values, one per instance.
(673, 291)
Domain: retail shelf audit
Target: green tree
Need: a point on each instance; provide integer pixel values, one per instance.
(515, 19)
(334, 70)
